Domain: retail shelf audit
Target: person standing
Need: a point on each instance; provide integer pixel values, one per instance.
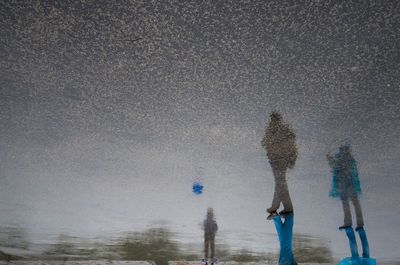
(346, 183)
(346, 186)
(210, 229)
(280, 143)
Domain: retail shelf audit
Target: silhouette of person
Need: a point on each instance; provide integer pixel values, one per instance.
(280, 143)
(346, 183)
(346, 186)
(210, 229)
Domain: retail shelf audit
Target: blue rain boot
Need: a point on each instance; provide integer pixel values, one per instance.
(355, 259)
(352, 241)
(285, 234)
(364, 241)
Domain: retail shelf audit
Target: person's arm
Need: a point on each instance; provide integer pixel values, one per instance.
(330, 159)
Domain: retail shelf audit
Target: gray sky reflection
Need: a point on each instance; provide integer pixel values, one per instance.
(102, 135)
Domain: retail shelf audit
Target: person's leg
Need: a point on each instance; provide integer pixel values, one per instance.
(288, 225)
(359, 215)
(364, 241)
(287, 233)
(278, 226)
(360, 227)
(352, 242)
(286, 254)
(206, 245)
(283, 191)
(347, 213)
(276, 200)
(212, 245)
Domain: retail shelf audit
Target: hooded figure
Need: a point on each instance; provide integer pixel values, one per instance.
(346, 183)
(280, 143)
(210, 229)
(346, 186)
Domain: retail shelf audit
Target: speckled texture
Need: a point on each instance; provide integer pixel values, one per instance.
(108, 108)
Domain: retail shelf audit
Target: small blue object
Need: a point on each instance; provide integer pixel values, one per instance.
(197, 188)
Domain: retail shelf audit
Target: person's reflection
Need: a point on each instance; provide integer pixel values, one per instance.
(210, 229)
(346, 186)
(280, 142)
(346, 183)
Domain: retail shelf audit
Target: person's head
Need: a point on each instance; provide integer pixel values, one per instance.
(210, 213)
(344, 148)
(275, 117)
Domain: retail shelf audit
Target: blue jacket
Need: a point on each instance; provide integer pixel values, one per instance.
(345, 179)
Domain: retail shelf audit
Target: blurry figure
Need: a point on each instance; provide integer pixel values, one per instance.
(346, 186)
(285, 234)
(280, 142)
(210, 229)
(346, 183)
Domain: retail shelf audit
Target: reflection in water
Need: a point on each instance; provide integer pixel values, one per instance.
(210, 229)
(346, 186)
(311, 249)
(154, 244)
(157, 244)
(346, 183)
(14, 237)
(280, 142)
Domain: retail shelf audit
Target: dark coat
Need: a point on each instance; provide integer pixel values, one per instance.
(280, 142)
(210, 226)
